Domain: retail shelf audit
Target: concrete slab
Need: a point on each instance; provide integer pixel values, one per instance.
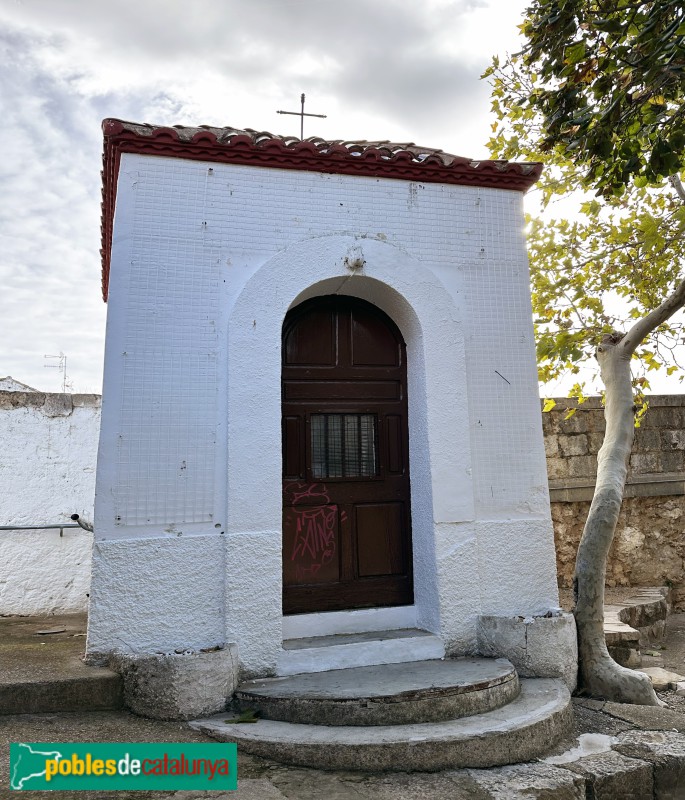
(649, 718)
(346, 650)
(44, 673)
(391, 694)
(522, 730)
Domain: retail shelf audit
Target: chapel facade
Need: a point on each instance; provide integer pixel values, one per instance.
(320, 409)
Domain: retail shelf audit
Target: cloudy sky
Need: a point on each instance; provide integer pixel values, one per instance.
(389, 69)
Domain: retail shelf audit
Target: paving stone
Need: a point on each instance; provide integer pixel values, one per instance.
(530, 782)
(587, 720)
(258, 789)
(587, 744)
(647, 660)
(649, 718)
(665, 750)
(193, 796)
(453, 785)
(306, 784)
(613, 776)
(247, 790)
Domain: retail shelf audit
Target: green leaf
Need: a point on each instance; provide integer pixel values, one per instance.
(575, 53)
(597, 95)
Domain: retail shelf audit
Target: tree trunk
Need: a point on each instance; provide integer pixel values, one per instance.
(600, 675)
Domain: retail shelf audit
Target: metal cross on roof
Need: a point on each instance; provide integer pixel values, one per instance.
(301, 114)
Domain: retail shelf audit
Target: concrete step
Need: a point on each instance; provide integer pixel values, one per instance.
(97, 691)
(346, 650)
(42, 670)
(524, 729)
(646, 611)
(392, 694)
(623, 642)
(636, 622)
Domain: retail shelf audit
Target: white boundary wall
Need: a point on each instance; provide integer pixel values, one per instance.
(47, 472)
(206, 261)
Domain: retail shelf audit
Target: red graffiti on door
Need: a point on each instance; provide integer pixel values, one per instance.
(316, 526)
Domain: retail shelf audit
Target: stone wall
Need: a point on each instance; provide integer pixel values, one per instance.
(47, 472)
(649, 548)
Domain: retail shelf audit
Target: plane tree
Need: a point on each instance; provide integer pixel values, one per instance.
(597, 94)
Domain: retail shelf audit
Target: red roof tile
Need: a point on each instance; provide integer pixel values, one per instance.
(381, 159)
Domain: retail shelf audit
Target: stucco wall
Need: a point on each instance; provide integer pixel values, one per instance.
(47, 473)
(649, 547)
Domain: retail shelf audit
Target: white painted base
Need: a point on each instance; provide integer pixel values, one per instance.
(326, 653)
(299, 626)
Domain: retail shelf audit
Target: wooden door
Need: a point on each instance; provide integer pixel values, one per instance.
(346, 515)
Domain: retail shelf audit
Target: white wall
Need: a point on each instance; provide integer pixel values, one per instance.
(47, 472)
(206, 261)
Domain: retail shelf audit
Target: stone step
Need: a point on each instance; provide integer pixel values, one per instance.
(524, 729)
(392, 694)
(346, 650)
(623, 642)
(646, 611)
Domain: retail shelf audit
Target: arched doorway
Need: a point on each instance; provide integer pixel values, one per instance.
(346, 492)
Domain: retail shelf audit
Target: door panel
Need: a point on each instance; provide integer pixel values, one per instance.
(330, 391)
(346, 513)
(379, 535)
(395, 440)
(373, 344)
(293, 453)
(313, 341)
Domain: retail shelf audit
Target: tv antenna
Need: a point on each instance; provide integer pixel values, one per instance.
(62, 366)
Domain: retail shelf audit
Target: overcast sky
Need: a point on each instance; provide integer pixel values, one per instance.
(380, 69)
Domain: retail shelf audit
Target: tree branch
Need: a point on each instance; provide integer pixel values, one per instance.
(643, 327)
(677, 184)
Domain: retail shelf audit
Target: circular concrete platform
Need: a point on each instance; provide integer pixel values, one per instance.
(391, 694)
